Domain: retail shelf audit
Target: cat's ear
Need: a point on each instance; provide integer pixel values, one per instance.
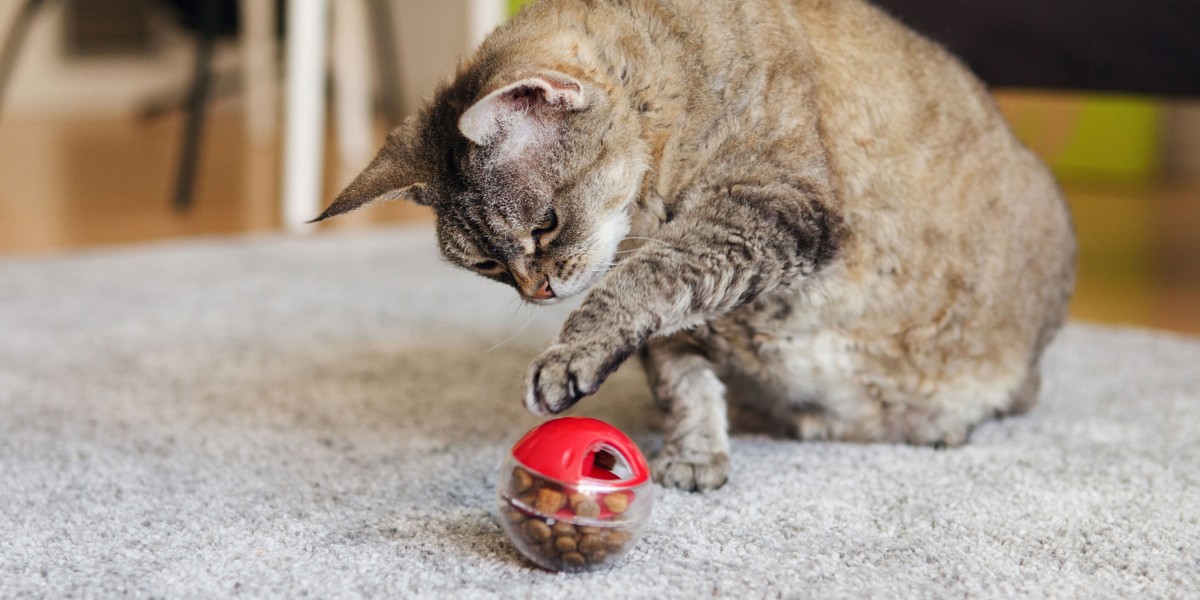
(523, 113)
(394, 173)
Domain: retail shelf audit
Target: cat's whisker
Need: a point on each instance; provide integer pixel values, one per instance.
(515, 300)
(514, 336)
(510, 303)
(652, 240)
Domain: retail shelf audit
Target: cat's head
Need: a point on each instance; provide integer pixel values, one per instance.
(530, 174)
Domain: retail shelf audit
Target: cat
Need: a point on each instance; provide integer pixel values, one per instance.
(798, 207)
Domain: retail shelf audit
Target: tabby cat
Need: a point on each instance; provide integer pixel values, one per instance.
(797, 207)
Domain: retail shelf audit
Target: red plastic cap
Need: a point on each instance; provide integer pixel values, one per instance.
(579, 449)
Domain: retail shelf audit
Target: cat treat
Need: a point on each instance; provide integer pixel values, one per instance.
(574, 494)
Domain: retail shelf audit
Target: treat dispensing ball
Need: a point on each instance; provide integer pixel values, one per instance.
(574, 494)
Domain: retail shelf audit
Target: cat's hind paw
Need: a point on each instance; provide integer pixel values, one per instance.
(699, 475)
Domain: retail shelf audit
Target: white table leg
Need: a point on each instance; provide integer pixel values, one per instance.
(304, 137)
(485, 15)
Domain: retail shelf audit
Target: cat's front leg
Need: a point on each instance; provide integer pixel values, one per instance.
(695, 452)
(747, 240)
(597, 337)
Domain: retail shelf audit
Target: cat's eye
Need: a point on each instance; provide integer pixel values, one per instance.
(547, 227)
(486, 265)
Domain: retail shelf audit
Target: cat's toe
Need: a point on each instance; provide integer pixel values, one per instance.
(565, 373)
(552, 386)
(692, 475)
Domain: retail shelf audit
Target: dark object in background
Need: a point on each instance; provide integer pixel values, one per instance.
(1148, 46)
(107, 28)
(214, 16)
(192, 16)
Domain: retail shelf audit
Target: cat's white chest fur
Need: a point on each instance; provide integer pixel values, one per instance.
(782, 357)
(786, 353)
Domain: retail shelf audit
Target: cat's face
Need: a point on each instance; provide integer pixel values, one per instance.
(548, 240)
(531, 184)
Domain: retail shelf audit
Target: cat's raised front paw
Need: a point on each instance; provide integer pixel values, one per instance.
(701, 475)
(565, 373)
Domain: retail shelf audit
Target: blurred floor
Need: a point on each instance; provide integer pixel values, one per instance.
(67, 184)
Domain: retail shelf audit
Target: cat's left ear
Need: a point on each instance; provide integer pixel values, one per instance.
(396, 172)
(523, 113)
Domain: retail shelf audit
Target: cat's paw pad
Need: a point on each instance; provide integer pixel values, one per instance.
(699, 475)
(565, 373)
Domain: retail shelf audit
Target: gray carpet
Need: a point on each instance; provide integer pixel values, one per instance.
(275, 417)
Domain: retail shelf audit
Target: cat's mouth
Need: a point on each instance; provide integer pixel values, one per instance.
(590, 266)
(567, 289)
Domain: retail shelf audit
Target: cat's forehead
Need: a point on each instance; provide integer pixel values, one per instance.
(490, 209)
(493, 203)
(499, 193)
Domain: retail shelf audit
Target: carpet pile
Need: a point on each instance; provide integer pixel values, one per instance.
(324, 416)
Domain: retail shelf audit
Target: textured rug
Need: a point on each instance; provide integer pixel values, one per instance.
(324, 417)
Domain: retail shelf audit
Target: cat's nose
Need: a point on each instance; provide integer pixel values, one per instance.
(543, 291)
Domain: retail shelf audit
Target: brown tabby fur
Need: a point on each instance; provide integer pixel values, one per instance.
(826, 220)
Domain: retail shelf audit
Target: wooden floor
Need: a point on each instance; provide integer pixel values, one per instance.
(68, 184)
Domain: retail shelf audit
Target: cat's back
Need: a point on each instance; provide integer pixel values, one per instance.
(930, 172)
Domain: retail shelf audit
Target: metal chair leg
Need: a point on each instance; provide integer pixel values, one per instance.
(197, 105)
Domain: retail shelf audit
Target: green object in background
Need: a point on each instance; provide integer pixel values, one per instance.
(515, 5)
(1116, 136)
(1094, 135)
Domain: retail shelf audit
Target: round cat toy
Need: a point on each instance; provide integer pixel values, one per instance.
(574, 494)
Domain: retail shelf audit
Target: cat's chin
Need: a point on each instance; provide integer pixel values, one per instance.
(545, 302)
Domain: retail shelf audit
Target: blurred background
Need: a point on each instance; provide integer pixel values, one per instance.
(123, 121)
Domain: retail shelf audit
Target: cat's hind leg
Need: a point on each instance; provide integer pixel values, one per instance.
(939, 418)
(812, 423)
(695, 453)
(948, 419)
(1026, 394)
(868, 414)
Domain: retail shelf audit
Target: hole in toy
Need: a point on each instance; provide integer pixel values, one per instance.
(607, 464)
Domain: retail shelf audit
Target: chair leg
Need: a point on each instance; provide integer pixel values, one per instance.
(197, 104)
(15, 40)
